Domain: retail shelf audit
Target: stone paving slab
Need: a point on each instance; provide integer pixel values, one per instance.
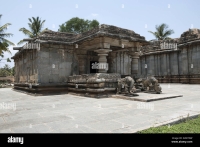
(5, 131)
(40, 128)
(147, 97)
(75, 114)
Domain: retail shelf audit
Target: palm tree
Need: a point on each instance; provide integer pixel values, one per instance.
(35, 26)
(162, 32)
(4, 43)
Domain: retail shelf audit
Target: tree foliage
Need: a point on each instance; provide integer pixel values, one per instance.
(4, 43)
(78, 25)
(7, 71)
(35, 28)
(162, 32)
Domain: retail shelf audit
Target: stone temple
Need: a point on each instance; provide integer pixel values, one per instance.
(67, 62)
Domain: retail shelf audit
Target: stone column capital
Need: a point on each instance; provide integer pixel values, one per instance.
(102, 53)
(134, 55)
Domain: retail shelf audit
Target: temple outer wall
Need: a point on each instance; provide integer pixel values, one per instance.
(49, 65)
(26, 67)
(176, 66)
(55, 64)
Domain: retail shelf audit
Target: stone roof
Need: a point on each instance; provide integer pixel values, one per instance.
(56, 36)
(102, 30)
(190, 35)
(72, 38)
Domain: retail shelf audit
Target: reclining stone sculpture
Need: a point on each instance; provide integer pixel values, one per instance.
(128, 83)
(151, 83)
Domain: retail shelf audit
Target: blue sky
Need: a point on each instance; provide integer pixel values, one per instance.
(137, 15)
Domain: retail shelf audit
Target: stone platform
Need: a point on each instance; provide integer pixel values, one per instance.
(98, 85)
(147, 97)
(41, 89)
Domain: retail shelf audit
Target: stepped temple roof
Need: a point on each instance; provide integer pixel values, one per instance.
(190, 35)
(102, 30)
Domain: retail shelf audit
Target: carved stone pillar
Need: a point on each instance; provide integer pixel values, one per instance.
(103, 65)
(134, 63)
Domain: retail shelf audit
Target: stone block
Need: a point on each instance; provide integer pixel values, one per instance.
(54, 78)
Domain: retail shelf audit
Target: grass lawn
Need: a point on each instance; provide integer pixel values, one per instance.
(185, 126)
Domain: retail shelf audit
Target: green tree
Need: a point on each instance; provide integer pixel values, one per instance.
(93, 24)
(6, 71)
(162, 32)
(78, 25)
(4, 43)
(35, 26)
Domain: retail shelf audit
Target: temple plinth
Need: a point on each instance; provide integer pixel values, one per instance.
(103, 65)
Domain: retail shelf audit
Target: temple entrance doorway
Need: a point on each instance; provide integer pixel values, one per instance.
(93, 67)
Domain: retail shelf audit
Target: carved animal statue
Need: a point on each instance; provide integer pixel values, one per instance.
(128, 82)
(151, 82)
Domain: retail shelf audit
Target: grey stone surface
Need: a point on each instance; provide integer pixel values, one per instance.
(18, 117)
(40, 128)
(69, 130)
(56, 125)
(106, 126)
(1, 120)
(147, 97)
(74, 114)
(6, 131)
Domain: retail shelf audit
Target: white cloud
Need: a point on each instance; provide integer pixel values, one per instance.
(94, 14)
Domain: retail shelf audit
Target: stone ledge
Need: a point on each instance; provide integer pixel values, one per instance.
(147, 97)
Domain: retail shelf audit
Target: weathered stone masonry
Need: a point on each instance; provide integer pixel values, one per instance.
(65, 54)
(63, 59)
(174, 65)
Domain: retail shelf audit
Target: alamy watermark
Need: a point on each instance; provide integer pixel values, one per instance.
(166, 45)
(8, 106)
(143, 105)
(100, 65)
(19, 140)
(32, 46)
